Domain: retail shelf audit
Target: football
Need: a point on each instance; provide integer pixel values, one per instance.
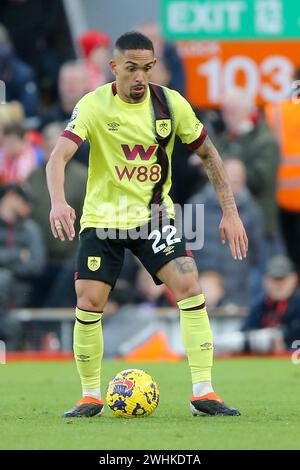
(132, 393)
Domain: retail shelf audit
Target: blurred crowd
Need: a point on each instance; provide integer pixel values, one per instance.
(44, 80)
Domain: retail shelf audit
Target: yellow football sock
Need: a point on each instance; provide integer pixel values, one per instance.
(88, 347)
(197, 337)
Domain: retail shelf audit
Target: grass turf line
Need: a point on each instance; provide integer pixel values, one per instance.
(34, 396)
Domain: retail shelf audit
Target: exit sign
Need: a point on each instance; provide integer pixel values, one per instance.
(230, 19)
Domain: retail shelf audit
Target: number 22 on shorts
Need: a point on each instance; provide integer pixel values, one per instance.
(170, 240)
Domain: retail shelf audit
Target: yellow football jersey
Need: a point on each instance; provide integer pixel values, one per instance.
(123, 162)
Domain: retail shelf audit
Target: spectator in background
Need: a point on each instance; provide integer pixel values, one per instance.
(95, 47)
(212, 284)
(41, 36)
(284, 118)
(10, 114)
(72, 85)
(161, 73)
(169, 60)
(151, 294)
(274, 321)
(18, 157)
(213, 256)
(18, 77)
(10, 328)
(22, 254)
(56, 286)
(249, 138)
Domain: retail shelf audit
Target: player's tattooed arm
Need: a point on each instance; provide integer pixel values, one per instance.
(217, 175)
(231, 227)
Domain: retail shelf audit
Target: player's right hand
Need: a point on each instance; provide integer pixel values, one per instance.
(62, 218)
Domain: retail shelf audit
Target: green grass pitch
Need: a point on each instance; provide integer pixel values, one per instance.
(267, 391)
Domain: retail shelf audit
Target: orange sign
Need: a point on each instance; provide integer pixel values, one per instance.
(264, 68)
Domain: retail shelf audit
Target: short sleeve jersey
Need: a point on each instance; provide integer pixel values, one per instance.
(123, 164)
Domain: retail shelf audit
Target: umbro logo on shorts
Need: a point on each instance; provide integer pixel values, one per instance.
(169, 249)
(113, 126)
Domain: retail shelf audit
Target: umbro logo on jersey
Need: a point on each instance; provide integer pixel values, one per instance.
(113, 126)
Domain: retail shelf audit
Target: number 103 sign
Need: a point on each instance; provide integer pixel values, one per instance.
(264, 68)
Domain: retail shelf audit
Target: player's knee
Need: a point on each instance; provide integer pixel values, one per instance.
(89, 303)
(186, 291)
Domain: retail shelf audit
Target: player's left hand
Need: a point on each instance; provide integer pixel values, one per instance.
(232, 231)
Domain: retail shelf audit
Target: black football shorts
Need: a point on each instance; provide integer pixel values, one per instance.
(100, 254)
